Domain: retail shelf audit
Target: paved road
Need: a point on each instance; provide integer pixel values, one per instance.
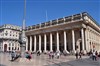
(43, 60)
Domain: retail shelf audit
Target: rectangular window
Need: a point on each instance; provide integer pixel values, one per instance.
(9, 48)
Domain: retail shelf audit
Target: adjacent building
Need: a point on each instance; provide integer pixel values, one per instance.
(9, 37)
(71, 33)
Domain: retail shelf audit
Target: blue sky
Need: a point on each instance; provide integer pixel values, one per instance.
(11, 11)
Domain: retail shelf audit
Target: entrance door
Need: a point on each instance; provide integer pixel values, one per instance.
(5, 48)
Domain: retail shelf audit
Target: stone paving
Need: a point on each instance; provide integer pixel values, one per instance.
(43, 60)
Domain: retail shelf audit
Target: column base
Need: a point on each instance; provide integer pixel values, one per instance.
(57, 50)
(84, 52)
(30, 51)
(65, 52)
(73, 52)
(26, 50)
(40, 51)
(51, 50)
(33, 52)
(45, 52)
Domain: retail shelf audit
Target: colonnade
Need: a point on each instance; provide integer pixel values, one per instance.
(32, 42)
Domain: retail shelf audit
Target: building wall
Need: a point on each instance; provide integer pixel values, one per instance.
(9, 37)
(76, 32)
(11, 45)
(93, 39)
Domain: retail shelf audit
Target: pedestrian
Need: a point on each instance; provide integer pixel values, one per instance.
(80, 54)
(94, 56)
(90, 53)
(52, 55)
(12, 56)
(96, 53)
(38, 53)
(76, 55)
(58, 54)
(99, 55)
(28, 55)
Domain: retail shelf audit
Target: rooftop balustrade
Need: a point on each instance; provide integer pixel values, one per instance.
(68, 19)
(54, 22)
(33, 26)
(77, 17)
(42, 24)
(48, 23)
(37, 26)
(60, 20)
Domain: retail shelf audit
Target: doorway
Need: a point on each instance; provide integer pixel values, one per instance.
(5, 47)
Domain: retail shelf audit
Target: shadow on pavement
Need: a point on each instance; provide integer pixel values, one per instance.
(2, 65)
(77, 62)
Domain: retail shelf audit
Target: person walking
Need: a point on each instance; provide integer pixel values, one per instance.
(80, 54)
(58, 54)
(96, 53)
(99, 55)
(38, 53)
(76, 55)
(12, 56)
(94, 56)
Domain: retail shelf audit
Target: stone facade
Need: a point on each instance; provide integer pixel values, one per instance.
(76, 32)
(9, 37)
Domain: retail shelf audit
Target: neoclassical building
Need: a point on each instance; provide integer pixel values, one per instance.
(75, 32)
(9, 37)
